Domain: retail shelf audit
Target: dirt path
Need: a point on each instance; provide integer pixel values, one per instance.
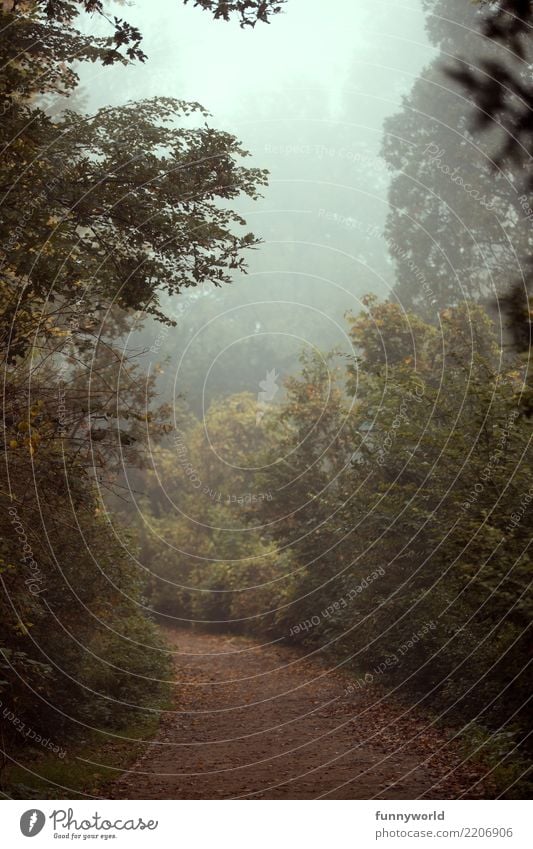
(267, 722)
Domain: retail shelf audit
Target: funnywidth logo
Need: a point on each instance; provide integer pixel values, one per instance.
(32, 822)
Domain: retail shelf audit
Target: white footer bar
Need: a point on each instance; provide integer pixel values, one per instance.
(267, 824)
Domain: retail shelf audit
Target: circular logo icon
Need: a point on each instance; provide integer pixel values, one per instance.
(32, 822)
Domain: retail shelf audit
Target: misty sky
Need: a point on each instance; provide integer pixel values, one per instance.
(312, 45)
(341, 66)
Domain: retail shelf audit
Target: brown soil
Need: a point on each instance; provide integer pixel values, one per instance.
(270, 722)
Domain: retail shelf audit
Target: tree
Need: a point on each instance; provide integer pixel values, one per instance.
(455, 229)
(101, 214)
(110, 216)
(249, 12)
(125, 42)
(200, 503)
(500, 88)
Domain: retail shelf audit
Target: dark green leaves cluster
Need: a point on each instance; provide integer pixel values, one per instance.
(249, 12)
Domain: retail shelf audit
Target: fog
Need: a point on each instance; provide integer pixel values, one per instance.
(307, 96)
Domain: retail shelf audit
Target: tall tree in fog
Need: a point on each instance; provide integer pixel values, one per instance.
(455, 228)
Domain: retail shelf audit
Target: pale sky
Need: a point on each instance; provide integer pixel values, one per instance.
(313, 43)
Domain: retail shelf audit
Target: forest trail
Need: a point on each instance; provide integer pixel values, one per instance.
(271, 722)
